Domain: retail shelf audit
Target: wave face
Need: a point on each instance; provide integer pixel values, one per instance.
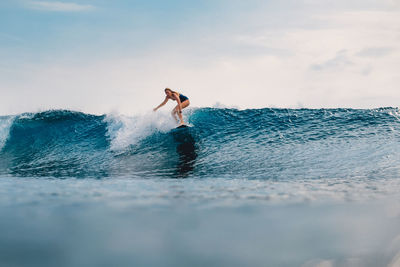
(283, 144)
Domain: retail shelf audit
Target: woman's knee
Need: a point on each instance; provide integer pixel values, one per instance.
(186, 103)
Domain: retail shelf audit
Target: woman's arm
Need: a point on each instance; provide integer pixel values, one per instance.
(162, 104)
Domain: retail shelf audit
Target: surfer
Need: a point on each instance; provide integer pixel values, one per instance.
(182, 100)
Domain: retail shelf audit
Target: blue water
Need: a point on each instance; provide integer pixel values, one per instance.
(265, 187)
(266, 144)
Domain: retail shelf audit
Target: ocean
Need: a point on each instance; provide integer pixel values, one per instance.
(255, 187)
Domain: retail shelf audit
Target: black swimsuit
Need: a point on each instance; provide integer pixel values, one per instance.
(183, 98)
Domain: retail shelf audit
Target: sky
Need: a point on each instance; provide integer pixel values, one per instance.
(102, 56)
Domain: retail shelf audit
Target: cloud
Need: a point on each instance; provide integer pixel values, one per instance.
(59, 6)
(4, 37)
(375, 52)
(339, 61)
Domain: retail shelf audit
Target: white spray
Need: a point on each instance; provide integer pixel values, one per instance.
(125, 131)
(5, 125)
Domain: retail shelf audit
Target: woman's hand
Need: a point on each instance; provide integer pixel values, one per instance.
(162, 104)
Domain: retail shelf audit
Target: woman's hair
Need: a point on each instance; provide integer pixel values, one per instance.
(167, 89)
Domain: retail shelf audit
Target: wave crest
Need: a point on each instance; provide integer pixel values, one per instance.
(125, 131)
(259, 144)
(5, 125)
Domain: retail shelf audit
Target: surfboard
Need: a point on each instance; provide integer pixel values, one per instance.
(182, 126)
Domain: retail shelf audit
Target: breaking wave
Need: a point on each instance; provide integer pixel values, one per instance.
(279, 144)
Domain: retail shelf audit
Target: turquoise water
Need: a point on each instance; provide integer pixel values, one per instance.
(267, 187)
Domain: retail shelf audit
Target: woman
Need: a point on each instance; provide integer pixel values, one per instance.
(182, 100)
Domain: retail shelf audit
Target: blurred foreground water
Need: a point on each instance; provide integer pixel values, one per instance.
(165, 222)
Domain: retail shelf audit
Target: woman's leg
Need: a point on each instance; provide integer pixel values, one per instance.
(173, 113)
(184, 104)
